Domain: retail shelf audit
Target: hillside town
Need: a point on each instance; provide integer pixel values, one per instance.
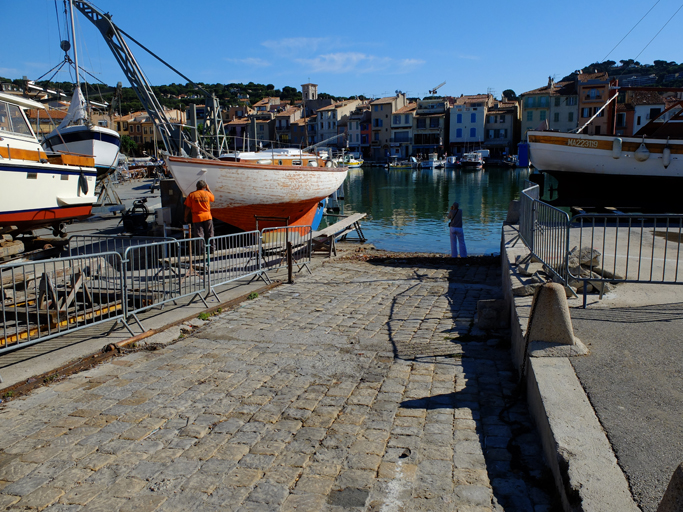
(397, 127)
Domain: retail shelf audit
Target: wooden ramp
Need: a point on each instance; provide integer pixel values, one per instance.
(325, 240)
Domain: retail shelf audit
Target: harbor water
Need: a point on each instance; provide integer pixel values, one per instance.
(407, 208)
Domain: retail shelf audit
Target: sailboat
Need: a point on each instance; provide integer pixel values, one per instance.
(77, 134)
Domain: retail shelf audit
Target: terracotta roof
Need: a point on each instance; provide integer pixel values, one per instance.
(585, 77)
(471, 98)
(287, 112)
(559, 88)
(54, 114)
(646, 98)
(410, 107)
(388, 99)
(239, 121)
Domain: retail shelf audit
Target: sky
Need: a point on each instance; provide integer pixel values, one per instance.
(371, 47)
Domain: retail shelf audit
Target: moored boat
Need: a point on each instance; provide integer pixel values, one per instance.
(472, 161)
(38, 189)
(641, 170)
(250, 189)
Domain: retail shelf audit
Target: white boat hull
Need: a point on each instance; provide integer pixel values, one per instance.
(245, 191)
(98, 142)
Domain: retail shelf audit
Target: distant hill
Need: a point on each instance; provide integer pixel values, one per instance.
(179, 95)
(666, 74)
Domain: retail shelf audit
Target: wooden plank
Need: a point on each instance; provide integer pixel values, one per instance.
(339, 225)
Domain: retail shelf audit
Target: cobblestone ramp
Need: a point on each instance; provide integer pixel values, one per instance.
(361, 387)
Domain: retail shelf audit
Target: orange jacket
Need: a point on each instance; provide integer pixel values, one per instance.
(199, 203)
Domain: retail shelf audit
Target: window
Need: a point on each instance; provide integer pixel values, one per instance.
(543, 114)
(570, 117)
(407, 119)
(571, 100)
(473, 133)
(530, 115)
(144, 128)
(621, 119)
(473, 117)
(492, 119)
(556, 117)
(458, 133)
(638, 121)
(543, 101)
(376, 109)
(593, 94)
(530, 102)
(585, 112)
(329, 125)
(397, 119)
(492, 134)
(377, 123)
(422, 123)
(19, 124)
(377, 136)
(654, 112)
(381, 107)
(501, 119)
(260, 128)
(459, 118)
(434, 122)
(138, 129)
(557, 101)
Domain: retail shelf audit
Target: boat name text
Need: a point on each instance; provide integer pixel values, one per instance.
(582, 143)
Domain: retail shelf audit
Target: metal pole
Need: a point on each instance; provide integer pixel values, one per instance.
(290, 279)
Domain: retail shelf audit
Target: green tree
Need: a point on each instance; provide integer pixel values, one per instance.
(128, 145)
(510, 94)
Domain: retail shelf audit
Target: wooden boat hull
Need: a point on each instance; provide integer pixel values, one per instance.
(245, 191)
(601, 170)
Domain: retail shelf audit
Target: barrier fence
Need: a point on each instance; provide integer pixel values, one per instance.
(233, 257)
(274, 243)
(630, 248)
(44, 299)
(607, 247)
(545, 231)
(94, 244)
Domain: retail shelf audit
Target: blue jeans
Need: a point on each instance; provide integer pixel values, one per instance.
(458, 239)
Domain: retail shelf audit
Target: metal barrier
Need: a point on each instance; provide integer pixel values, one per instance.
(45, 299)
(527, 204)
(633, 248)
(94, 244)
(545, 231)
(274, 243)
(233, 257)
(162, 272)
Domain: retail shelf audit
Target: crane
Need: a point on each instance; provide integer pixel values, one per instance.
(432, 92)
(172, 136)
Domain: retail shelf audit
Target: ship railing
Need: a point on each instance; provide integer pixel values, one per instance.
(45, 299)
(277, 243)
(93, 244)
(162, 272)
(615, 248)
(545, 231)
(233, 257)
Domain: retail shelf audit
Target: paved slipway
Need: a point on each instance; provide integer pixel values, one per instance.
(363, 386)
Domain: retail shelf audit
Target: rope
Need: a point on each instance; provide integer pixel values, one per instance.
(632, 29)
(665, 24)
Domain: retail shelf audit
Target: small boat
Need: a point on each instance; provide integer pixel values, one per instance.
(451, 162)
(38, 189)
(472, 160)
(431, 162)
(397, 164)
(278, 187)
(75, 134)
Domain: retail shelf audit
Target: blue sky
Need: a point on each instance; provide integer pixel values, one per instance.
(353, 47)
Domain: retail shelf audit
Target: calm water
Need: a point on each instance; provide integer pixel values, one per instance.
(407, 209)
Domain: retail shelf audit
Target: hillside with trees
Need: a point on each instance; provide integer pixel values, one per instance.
(668, 74)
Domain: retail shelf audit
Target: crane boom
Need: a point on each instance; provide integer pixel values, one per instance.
(172, 135)
(433, 91)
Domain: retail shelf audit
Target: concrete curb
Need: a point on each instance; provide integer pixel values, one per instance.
(577, 450)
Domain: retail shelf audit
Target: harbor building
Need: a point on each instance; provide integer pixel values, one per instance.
(283, 124)
(554, 106)
(402, 131)
(429, 125)
(501, 130)
(332, 121)
(468, 121)
(359, 130)
(594, 91)
(382, 110)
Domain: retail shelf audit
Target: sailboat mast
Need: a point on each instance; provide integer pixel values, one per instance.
(73, 40)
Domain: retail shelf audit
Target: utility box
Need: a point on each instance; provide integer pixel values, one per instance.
(172, 198)
(163, 216)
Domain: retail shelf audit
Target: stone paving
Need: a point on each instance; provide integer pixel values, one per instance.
(361, 387)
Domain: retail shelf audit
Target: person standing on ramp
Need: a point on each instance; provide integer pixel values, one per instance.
(198, 205)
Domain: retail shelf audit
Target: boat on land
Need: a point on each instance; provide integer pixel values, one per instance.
(38, 189)
(645, 169)
(76, 134)
(472, 161)
(275, 188)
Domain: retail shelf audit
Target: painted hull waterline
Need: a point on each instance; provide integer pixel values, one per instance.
(245, 191)
(601, 170)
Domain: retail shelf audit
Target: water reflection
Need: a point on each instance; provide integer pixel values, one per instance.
(407, 208)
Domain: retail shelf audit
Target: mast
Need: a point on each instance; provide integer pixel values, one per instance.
(73, 40)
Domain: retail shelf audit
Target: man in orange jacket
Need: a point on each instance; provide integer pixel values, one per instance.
(198, 204)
